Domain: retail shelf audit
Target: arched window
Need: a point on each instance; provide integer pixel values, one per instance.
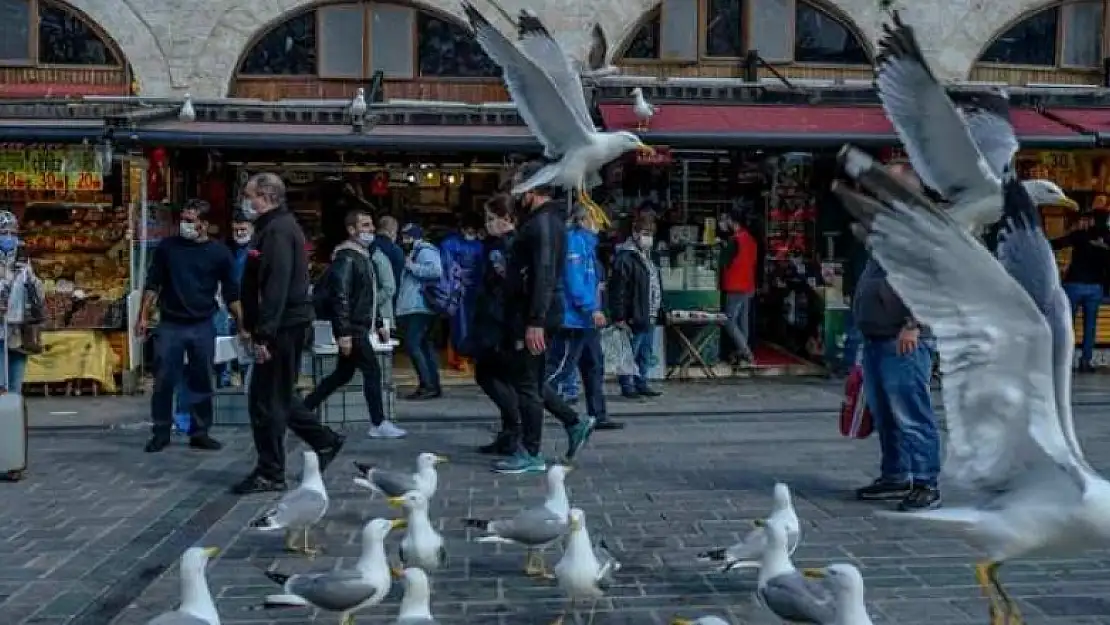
(44, 32)
(352, 41)
(782, 31)
(1067, 35)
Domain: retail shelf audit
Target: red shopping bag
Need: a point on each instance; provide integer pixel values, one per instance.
(855, 418)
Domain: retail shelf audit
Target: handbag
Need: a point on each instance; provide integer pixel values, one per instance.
(855, 418)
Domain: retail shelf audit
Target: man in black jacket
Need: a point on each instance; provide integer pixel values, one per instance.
(277, 313)
(534, 294)
(351, 294)
(636, 303)
(1085, 276)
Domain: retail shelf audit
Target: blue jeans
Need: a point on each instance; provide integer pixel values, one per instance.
(562, 361)
(897, 390)
(173, 344)
(643, 352)
(738, 308)
(17, 369)
(418, 343)
(1085, 297)
(852, 340)
(224, 327)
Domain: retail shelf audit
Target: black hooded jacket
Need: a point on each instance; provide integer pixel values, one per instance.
(534, 278)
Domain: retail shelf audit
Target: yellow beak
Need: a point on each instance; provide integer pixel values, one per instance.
(759, 523)
(441, 459)
(1067, 203)
(211, 552)
(645, 149)
(398, 523)
(396, 502)
(396, 572)
(682, 621)
(814, 573)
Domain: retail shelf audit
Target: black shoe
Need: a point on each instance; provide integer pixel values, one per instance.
(256, 483)
(434, 393)
(920, 498)
(649, 392)
(327, 454)
(417, 394)
(157, 443)
(1086, 367)
(630, 394)
(608, 424)
(883, 490)
(205, 442)
(570, 401)
(503, 445)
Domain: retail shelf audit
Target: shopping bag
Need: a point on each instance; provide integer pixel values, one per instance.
(616, 344)
(855, 418)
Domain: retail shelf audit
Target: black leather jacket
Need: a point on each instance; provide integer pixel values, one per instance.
(354, 291)
(487, 325)
(534, 279)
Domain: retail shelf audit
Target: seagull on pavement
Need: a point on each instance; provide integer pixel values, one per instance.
(548, 95)
(422, 546)
(999, 353)
(299, 509)
(586, 569)
(746, 553)
(197, 607)
(415, 604)
(783, 590)
(396, 483)
(847, 587)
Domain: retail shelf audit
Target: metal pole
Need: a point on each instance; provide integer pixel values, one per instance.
(685, 190)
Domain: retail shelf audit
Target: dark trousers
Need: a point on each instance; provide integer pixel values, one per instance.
(274, 406)
(418, 342)
(363, 359)
(527, 376)
(183, 351)
(577, 351)
(491, 373)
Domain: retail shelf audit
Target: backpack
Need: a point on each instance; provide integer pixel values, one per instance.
(444, 294)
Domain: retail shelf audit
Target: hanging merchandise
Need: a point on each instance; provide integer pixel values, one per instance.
(156, 175)
(379, 185)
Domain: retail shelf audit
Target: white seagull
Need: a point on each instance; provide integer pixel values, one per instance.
(703, 620)
(942, 142)
(358, 103)
(299, 509)
(784, 590)
(847, 587)
(746, 553)
(415, 604)
(396, 483)
(187, 113)
(548, 95)
(341, 590)
(643, 109)
(422, 546)
(586, 569)
(1008, 438)
(197, 607)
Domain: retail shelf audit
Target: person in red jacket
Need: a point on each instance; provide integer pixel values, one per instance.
(739, 260)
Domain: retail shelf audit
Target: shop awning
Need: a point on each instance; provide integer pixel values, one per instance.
(1095, 121)
(801, 126)
(322, 137)
(59, 90)
(50, 130)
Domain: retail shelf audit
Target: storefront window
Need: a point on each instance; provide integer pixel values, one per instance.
(64, 37)
(645, 43)
(15, 30)
(724, 36)
(289, 49)
(446, 49)
(1031, 42)
(819, 38)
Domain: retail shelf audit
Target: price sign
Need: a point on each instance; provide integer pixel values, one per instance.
(49, 169)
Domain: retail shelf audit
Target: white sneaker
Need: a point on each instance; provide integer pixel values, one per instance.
(387, 430)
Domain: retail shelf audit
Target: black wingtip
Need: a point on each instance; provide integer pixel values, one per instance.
(277, 578)
(715, 555)
(481, 524)
(475, 18)
(530, 24)
(362, 467)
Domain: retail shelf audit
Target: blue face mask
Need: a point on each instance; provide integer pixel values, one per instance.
(8, 243)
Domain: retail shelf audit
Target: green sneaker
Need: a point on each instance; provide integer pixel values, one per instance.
(521, 462)
(578, 435)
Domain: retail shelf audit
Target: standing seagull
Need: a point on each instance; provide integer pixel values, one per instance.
(585, 570)
(643, 109)
(1007, 439)
(847, 587)
(944, 151)
(188, 113)
(422, 545)
(548, 96)
(299, 509)
(783, 590)
(197, 607)
(746, 554)
(415, 604)
(396, 483)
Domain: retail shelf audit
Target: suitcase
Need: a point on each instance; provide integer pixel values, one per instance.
(13, 429)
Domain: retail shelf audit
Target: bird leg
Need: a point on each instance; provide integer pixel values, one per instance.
(593, 209)
(309, 550)
(593, 611)
(985, 574)
(290, 542)
(1011, 615)
(567, 609)
(535, 566)
(347, 619)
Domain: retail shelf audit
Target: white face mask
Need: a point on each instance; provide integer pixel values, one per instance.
(366, 238)
(188, 230)
(243, 240)
(645, 241)
(247, 208)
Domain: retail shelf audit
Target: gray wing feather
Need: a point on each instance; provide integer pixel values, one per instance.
(995, 139)
(545, 52)
(930, 126)
(336, 591)
(299, 507)
(794, 598)
(534, 526)
(176, 618)
(608, 565)
(393, 483)
(443, 557)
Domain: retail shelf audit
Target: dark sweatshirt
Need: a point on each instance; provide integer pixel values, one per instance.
(1090, 255)
(878, 311)
(534, 278)
(185, 275)
(275, 282)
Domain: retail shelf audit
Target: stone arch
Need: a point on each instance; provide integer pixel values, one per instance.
(132, 36)
(1004, 27)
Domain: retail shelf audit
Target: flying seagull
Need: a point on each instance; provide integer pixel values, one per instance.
(942, 148)
(197, 607)
(1008, 441)
(548, 95)
(746, 554)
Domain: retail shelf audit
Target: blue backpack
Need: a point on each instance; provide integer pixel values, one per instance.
(444, 294)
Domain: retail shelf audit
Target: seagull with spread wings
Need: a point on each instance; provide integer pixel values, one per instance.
(547, 92)
(962, 154)
(1008, 439)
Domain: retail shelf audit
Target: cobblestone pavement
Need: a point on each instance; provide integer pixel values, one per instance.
(92, 536)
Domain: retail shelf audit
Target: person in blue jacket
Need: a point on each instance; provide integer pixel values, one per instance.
(576, 349)
(463, 250)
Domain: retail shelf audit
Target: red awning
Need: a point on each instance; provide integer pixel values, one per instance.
(799, 125)
(1091, 120)
(58, 90)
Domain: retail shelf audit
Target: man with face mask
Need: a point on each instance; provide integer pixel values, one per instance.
(352, 298)
(636, 302)
(534, 312)
(277, 314)
(185, 273)
(1086, 274)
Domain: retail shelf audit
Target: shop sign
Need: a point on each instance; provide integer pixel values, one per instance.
(662, 156)
(49, 169)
